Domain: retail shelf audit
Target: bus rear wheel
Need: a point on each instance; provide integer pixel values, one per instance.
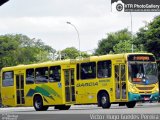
(62, 107)
(104, 100)
(38, 104)
(131, 104)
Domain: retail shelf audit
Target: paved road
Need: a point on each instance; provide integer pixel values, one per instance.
(51, 114)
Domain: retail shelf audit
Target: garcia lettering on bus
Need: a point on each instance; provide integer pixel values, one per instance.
(87, 84)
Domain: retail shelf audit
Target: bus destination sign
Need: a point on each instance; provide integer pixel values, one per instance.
(141, 58)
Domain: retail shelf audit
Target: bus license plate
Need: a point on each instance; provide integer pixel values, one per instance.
(146, 98)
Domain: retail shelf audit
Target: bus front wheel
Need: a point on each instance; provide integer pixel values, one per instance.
(104, 100)
(38, 104)
(131, 104)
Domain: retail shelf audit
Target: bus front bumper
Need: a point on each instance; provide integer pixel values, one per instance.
(143, 97)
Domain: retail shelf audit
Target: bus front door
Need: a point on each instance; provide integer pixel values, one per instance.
(20, 100)
(69, 77)
(120, 83)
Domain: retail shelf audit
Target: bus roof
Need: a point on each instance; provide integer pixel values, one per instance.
(70, 61)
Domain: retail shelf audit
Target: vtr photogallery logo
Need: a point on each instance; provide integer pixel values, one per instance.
(135, 5)
(117, 5)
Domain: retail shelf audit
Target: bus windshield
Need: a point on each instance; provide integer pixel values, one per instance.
(143, 73)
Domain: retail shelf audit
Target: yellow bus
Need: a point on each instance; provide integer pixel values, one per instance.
(158, 64)
(103, 80)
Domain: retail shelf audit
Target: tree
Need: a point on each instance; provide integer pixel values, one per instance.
(127, 46)
(123, 47)
(7, 49)
(20, 49)
(149, 36)
(72, 53)
(114, 42)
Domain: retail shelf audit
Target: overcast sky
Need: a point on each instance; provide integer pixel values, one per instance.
(46, 20)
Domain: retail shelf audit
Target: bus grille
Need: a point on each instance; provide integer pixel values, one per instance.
(145, 88)
(146, 92)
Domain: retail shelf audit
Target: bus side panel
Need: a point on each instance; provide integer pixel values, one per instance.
(107, 85)
(8, 93)
(51, 93)
(87, 90)
(28, 95)
(8, 97)
(55, 94)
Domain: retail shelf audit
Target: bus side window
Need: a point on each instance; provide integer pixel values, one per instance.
(41, 75)
(104, 69)
(55, 74)
(7, 78)
(88, 70)
(29, 76)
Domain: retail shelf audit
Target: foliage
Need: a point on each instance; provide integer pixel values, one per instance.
(116, 42)
(123, 47)
(149, 36)
(20, 49)
(72, 53)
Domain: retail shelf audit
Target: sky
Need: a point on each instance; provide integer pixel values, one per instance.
(46, 20)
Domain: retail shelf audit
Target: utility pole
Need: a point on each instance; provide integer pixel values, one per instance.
(131, 31)
(77, 35)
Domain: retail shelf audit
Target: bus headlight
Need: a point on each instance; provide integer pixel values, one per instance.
(157, 90)
(132, 89)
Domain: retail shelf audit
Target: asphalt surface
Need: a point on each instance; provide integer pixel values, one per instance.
(81, 112)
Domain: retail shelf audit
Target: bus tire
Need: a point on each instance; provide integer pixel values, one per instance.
(62, 107)
(131, 104)
(104, 100)
(38, 104)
